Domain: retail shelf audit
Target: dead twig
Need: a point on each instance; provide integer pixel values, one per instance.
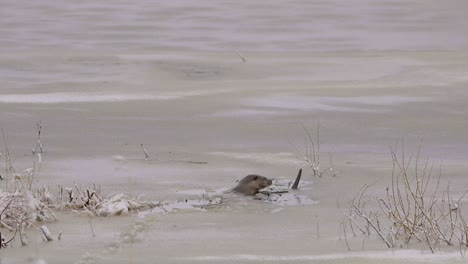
(91, 226)
(145, 152)
(345, 236)
(240, 56)
(47, 236)
(298, 179)
(317, 227)
(39, 144)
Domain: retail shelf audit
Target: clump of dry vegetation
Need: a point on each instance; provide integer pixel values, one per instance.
(311, 154)
(23, 205)
(19, 207)
(89, 201)
(414, 209)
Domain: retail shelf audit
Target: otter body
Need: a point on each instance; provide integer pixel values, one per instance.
(251, 184)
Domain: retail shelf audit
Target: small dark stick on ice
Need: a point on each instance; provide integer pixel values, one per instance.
(145, 152)
(240, 56)
(298, 179)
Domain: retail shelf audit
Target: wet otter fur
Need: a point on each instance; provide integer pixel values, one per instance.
(251, 184)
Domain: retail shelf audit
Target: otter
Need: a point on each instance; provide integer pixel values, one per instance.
(251, 184)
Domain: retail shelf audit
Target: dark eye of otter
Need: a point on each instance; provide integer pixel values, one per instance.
(255, 178)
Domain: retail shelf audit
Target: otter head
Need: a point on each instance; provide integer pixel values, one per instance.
(251, 184)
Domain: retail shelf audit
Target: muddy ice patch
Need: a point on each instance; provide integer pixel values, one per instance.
(280, 193)
(203, 203)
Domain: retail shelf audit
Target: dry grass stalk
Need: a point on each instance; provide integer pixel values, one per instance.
(317, 227)
(39, 144)
(311, 155)
(8, 161)
(413, 208)
(344, 225)
(1, 177)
